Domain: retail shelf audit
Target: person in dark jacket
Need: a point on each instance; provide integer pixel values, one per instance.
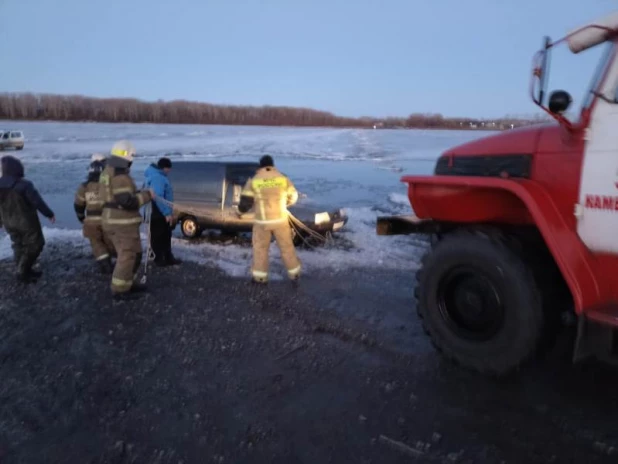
(161, 219)
(19, 202)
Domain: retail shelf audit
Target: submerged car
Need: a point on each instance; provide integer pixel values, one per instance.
(211, 193)
(11, 139)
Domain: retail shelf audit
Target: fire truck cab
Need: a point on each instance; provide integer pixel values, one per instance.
(524, 227)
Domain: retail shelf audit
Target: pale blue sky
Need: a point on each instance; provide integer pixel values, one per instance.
(351, 57)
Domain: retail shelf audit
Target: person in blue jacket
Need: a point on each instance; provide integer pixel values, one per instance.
(161, 219)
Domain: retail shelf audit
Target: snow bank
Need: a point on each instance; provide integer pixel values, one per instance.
(52, 236)
(367, 250)
(399, 199)
(356, 246)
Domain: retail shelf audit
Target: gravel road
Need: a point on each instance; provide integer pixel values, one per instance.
(206, 368)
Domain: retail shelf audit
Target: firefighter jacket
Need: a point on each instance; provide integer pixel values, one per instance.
(270, 193)
(121, 199)
(88, 204)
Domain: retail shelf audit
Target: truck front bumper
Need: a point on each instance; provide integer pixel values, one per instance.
(403, 225)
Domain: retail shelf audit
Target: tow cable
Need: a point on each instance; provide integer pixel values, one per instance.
(297, 226)
(150, 255)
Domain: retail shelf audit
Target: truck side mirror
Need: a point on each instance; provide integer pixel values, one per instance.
(559, 101)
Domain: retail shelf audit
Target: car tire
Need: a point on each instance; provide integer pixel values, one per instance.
(500, 286)
(190, 227)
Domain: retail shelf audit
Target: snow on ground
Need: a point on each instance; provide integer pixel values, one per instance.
(355, 169)
(369, 250)
(52, 236)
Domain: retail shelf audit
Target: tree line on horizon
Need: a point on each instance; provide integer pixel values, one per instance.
(77, 108)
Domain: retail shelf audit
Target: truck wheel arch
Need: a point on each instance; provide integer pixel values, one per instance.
(569, 253)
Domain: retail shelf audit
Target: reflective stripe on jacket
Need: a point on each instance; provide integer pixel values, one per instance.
(121, 200)
(88, 204)
(272, 192)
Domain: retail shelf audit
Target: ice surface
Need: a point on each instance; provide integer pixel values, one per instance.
(357, 169)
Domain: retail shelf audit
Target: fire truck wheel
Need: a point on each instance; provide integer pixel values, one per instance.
(480, 303)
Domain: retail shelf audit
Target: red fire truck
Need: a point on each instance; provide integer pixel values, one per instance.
(524, 227)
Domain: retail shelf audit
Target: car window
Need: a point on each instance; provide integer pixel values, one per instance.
(240, 174)
(5, 136)
(16, 134)
(194, 181)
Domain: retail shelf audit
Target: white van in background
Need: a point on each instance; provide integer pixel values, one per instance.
(11, 139)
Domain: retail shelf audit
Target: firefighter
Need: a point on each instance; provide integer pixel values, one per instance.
(88, 208)
(121, 218)
(19, 202)
(270, 193)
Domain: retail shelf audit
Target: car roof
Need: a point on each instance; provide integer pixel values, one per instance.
(213, 168)
(211, 164)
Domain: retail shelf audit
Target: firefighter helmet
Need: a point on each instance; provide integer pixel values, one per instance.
(123, 149)
(97, 157)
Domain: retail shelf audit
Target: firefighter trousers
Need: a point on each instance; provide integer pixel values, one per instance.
(261, 238)
(127, 243)
(102, 246)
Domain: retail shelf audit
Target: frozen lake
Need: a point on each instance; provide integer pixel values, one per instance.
(356, 169)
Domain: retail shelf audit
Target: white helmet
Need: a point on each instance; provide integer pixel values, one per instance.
(123, 149)
(97, 157)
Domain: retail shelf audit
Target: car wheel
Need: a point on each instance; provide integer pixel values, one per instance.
(190, 228)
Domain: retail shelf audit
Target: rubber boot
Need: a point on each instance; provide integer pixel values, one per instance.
(105, 266)
(35, 274)
(125, 296)
(26, 278)
(25, 274)
(138, 288)
(173, 261)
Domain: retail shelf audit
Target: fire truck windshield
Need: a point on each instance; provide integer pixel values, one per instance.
(572, 73)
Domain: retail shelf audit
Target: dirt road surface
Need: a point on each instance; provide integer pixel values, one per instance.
(206, 368)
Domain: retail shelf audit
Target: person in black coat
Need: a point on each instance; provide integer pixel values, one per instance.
(19, 203)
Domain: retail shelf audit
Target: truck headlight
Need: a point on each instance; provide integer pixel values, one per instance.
(322, 218)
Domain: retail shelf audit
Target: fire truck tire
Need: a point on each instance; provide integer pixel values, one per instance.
(479, 303)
